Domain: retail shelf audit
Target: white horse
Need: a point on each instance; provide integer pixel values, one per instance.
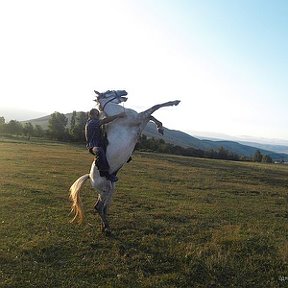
(122, 135)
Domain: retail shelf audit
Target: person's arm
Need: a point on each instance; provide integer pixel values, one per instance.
(112, 118)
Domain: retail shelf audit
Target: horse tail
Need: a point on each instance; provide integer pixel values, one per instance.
(75, 197)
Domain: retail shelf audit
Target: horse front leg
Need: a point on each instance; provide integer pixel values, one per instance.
(159, 125)
(147, 113)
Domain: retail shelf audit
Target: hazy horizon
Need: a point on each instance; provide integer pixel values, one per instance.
(25, 115)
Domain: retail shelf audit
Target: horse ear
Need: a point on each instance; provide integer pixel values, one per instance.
(98, 93)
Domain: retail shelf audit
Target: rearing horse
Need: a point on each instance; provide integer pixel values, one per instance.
(122, 135)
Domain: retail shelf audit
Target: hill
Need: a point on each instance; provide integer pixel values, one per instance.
(270, 147)
(42, 121)
(185, 140)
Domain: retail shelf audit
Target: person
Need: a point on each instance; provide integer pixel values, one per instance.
(95, 141)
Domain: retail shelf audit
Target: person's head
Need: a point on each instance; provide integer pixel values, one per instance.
(93, 113)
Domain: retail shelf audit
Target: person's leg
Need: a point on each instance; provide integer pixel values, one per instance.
(101, 160)
(102, 164)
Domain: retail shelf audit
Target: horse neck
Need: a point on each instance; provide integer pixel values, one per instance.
(121, 137)
(112, 109)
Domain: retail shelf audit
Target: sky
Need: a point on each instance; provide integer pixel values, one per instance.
(226, 60)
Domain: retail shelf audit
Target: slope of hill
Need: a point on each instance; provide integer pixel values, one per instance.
(42, 121)
(270, 147)
(185, 140)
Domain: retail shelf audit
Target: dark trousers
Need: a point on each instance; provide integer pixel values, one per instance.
(101, 160)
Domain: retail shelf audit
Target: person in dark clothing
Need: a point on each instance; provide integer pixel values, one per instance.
(95, 141)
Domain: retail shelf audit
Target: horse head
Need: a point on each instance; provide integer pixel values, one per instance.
(110, 96)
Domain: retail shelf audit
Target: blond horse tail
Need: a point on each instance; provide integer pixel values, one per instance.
(75, 197)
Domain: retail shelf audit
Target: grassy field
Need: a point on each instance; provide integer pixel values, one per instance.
(176, 221)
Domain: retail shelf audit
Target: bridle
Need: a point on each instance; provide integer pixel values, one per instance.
(110, 100)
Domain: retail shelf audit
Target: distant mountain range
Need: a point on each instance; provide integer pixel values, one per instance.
(185, 140)
(175, 137)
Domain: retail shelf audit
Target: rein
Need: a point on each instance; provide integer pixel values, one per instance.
(102, 108)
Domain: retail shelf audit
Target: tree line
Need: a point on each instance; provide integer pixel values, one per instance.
(159, 145)
(14, 127)
(58, 129)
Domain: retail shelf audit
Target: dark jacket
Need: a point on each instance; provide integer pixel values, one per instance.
(93, 133)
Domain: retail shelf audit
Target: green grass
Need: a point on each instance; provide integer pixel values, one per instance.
(176, 221)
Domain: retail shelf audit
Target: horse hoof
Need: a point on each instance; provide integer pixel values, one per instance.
(176, 102)
(107, 232)
(161, 131)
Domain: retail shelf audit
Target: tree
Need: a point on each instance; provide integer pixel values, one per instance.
(56, 126)
(2, 120)
(39, 131)
(73, 122)
(14, 127)
(2, 124)
(78, 131)
(28, 129)
(257, 156)
(223, 153)
(267, 159)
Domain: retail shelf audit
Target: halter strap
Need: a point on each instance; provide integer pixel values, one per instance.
(102, 108)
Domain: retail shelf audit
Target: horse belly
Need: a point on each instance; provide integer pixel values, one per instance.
(121, 143)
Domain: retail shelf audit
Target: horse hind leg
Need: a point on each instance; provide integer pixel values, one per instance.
(101, 206)
(102, 211)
